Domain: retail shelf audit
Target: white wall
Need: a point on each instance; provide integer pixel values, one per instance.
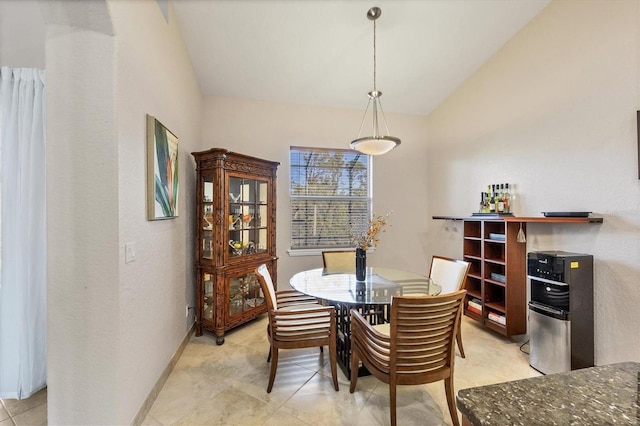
(155, 77)
(554, 111)
(113, 327)
(267, 130)
(82, 225)
(21, 34)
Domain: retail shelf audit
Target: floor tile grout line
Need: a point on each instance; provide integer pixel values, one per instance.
(7, 411)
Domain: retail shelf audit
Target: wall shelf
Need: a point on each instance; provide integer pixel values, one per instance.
(529, 219)
(554, 219)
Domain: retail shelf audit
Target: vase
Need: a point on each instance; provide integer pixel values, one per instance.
(361, 264)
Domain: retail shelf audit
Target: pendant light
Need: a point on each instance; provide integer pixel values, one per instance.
(376, 144)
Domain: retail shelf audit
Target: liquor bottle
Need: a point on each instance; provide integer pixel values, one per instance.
(507, 199)
(501, 199)
(481, 208)
(492, 200)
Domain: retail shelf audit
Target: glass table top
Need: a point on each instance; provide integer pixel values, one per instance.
(380, 285)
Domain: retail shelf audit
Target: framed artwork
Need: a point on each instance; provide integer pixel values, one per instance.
(162, 171)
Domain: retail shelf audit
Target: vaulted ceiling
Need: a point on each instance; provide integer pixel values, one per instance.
(320, 52)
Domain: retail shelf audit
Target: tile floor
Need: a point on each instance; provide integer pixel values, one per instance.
(31, 411)
(226, 385)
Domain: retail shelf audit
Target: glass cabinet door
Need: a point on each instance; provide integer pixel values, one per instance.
(247, 216)
(207, 217)
(245, 294)
(207, 307)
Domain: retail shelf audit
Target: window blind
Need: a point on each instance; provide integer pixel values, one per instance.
(330, 192)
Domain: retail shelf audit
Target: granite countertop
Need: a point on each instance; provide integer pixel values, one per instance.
(604, 395)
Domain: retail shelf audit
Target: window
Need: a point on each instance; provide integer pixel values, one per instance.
(330, 191)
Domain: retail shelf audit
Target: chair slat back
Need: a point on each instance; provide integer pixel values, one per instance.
(264, 278)
(422, 331)
(449, 273)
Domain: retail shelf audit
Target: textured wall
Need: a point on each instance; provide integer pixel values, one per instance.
(82, 227)
(554, 112)
(155, 77)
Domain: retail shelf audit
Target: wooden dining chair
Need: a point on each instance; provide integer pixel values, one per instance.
(291, 297)
(451, 275)
(419, 349)
(296, 325)
(343, 261)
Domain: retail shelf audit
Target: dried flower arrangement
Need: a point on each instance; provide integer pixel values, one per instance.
(366, 237)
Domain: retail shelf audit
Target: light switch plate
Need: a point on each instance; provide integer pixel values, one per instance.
(129, 252)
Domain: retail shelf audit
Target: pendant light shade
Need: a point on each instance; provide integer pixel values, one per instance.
(376, 144)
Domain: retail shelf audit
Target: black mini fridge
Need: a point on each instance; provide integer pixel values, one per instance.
(560, 311)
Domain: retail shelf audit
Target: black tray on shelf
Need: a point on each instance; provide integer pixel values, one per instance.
(566, 214)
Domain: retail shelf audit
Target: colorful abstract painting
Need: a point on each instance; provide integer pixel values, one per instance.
(162, 171)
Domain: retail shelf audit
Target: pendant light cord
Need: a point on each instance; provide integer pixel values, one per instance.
(374, 144)
(374, 56)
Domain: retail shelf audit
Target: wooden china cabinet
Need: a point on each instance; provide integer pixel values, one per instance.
(235, 233)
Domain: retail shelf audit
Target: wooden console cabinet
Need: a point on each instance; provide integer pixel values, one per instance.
(235, 232)
(497, 279)
(498, 276)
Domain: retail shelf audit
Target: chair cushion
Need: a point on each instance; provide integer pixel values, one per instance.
(448, 274)
(339, 262)
(262, 270)
(383, 328)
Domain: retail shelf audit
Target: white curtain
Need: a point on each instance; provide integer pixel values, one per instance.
(23, 314)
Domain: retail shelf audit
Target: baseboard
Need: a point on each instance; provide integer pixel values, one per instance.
(148, 403)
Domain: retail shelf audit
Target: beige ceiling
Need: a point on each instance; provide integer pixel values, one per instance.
(320, 52)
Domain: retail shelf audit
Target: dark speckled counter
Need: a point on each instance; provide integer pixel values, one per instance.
(605, 395)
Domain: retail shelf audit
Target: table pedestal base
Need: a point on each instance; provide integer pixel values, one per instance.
(376, 314)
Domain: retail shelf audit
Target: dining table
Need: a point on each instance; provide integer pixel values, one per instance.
(370, 297)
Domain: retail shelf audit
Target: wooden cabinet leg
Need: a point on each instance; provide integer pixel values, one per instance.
(219, 339)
